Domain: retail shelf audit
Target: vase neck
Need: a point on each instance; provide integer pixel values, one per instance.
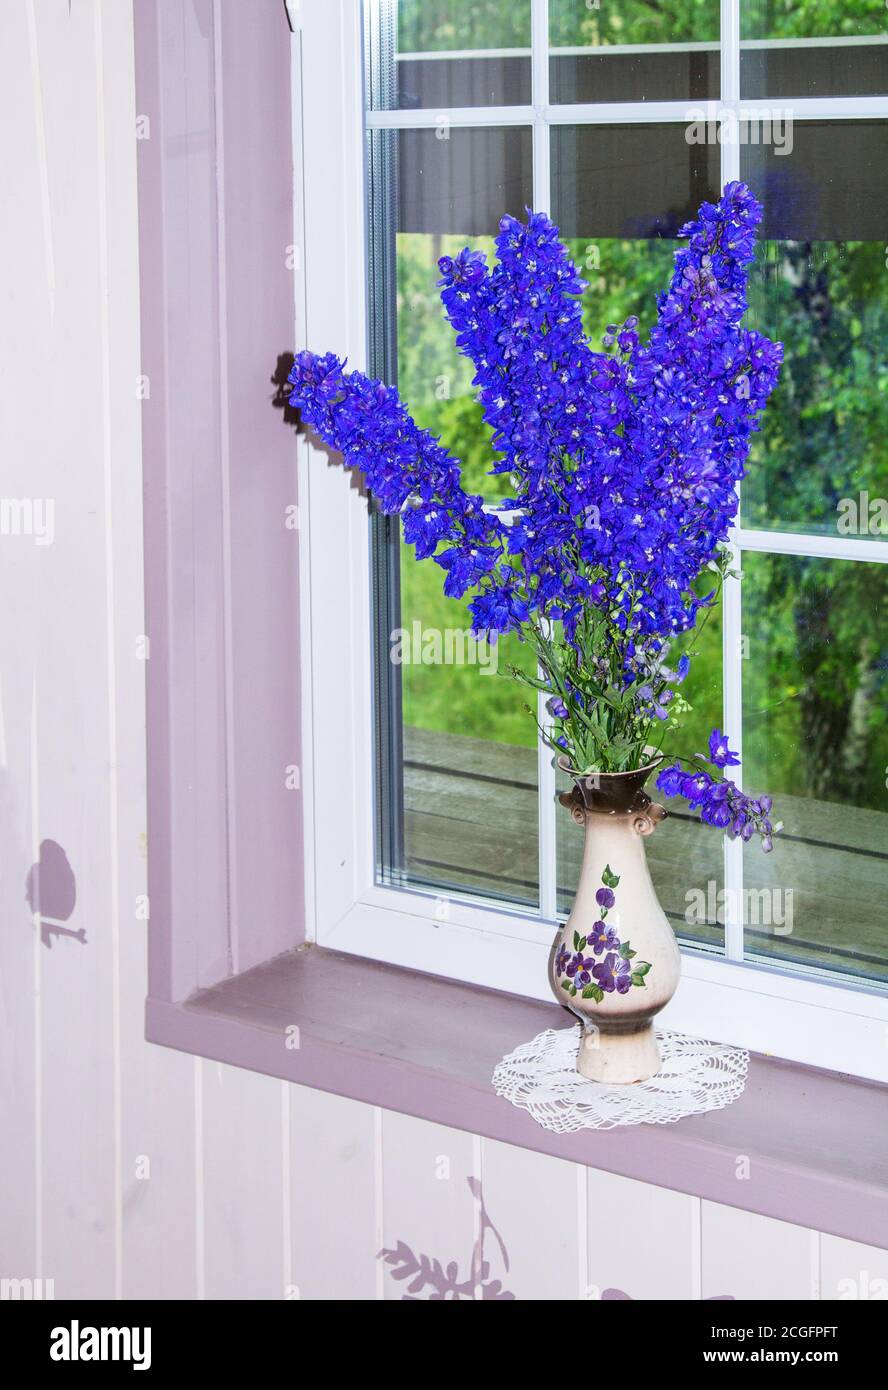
(613, 793)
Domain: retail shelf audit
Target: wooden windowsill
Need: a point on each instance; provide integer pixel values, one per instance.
(816, 1141)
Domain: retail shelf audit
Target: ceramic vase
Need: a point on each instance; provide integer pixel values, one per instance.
(615, 963)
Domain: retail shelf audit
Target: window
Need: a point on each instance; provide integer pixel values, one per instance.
(457, 860)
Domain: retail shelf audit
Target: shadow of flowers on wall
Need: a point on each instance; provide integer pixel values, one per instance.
(444, 1282)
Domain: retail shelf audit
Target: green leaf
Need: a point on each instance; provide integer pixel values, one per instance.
(573, 990)
(609, 878)
(597, 994)
(589, 992)
(636, 978)
(565, 984)
(642, 967)
(626, 953)
(576, 940)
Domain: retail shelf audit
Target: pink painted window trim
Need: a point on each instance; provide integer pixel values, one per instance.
(427, 1046)
(222, 594)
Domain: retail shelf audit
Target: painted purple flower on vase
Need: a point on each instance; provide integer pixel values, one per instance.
(613, 973)
(579, 968)
(603, 938)
(618, 972)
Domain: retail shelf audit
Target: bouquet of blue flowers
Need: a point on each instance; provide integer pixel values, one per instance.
(623, 466)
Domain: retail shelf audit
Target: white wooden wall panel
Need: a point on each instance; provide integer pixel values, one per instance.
(427, 1202)
(26, 300)
(335, 1216)
(754, 1257)
(158, 1161)
(854, 1272)
(242, 1184)
(643, 1242)
(77, 984)
(155, 1086)
(20, 1038)
(26, 296)
(546, 1249)
(20, 1070)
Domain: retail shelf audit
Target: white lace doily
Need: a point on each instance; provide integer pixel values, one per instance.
(695, 1076)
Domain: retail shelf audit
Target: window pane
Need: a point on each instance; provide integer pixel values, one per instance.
(815, 735)
(629, 181)
(636, 51)
(468, 776)
(462, 181)
(821, 287)
(813, 50)
(458, 53)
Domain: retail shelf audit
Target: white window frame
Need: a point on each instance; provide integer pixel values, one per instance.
(770, 1008)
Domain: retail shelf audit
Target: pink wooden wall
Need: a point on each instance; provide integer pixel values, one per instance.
(126, 1168)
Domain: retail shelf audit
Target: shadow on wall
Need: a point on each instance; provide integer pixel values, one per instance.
(444, 1283)
(281, 398)
(51, 893)
(291, 417)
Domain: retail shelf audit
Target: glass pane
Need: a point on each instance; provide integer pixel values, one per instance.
(449, 53)
(821, 287)
(815, 736)
(469, 749)
(635, 51)
(619, 196)
(462, 182)
(629, 181)
(813, 50)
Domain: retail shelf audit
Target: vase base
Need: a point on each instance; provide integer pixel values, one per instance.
(619, 1059)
